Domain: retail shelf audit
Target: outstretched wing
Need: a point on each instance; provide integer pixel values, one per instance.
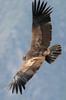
(41, 26)
(25, 73)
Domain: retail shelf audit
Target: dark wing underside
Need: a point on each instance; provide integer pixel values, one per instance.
(41, 26)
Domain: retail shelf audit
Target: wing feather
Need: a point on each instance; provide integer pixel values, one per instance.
(25, 73)
(41, 26)
(38, 6)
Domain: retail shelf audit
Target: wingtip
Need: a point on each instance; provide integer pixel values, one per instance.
(39, 8)
(16, 85)
(15, 88)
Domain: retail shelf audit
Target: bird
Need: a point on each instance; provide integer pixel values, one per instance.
(39, 51)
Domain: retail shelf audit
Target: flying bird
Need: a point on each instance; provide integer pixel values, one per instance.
(39, 51)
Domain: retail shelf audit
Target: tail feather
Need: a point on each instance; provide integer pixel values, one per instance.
(55, 51)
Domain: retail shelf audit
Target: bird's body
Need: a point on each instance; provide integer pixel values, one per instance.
(39, 51)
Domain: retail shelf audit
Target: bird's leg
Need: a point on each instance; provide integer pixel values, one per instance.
(47, 52)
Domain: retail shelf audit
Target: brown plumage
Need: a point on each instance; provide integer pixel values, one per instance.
(41, 29)
(39, 52)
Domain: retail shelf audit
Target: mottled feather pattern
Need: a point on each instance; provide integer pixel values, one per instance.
(41, 26)
(25, 73)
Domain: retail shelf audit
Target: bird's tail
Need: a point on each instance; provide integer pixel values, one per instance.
(55, 51)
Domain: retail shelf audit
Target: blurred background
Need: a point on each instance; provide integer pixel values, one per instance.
(49, 83)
